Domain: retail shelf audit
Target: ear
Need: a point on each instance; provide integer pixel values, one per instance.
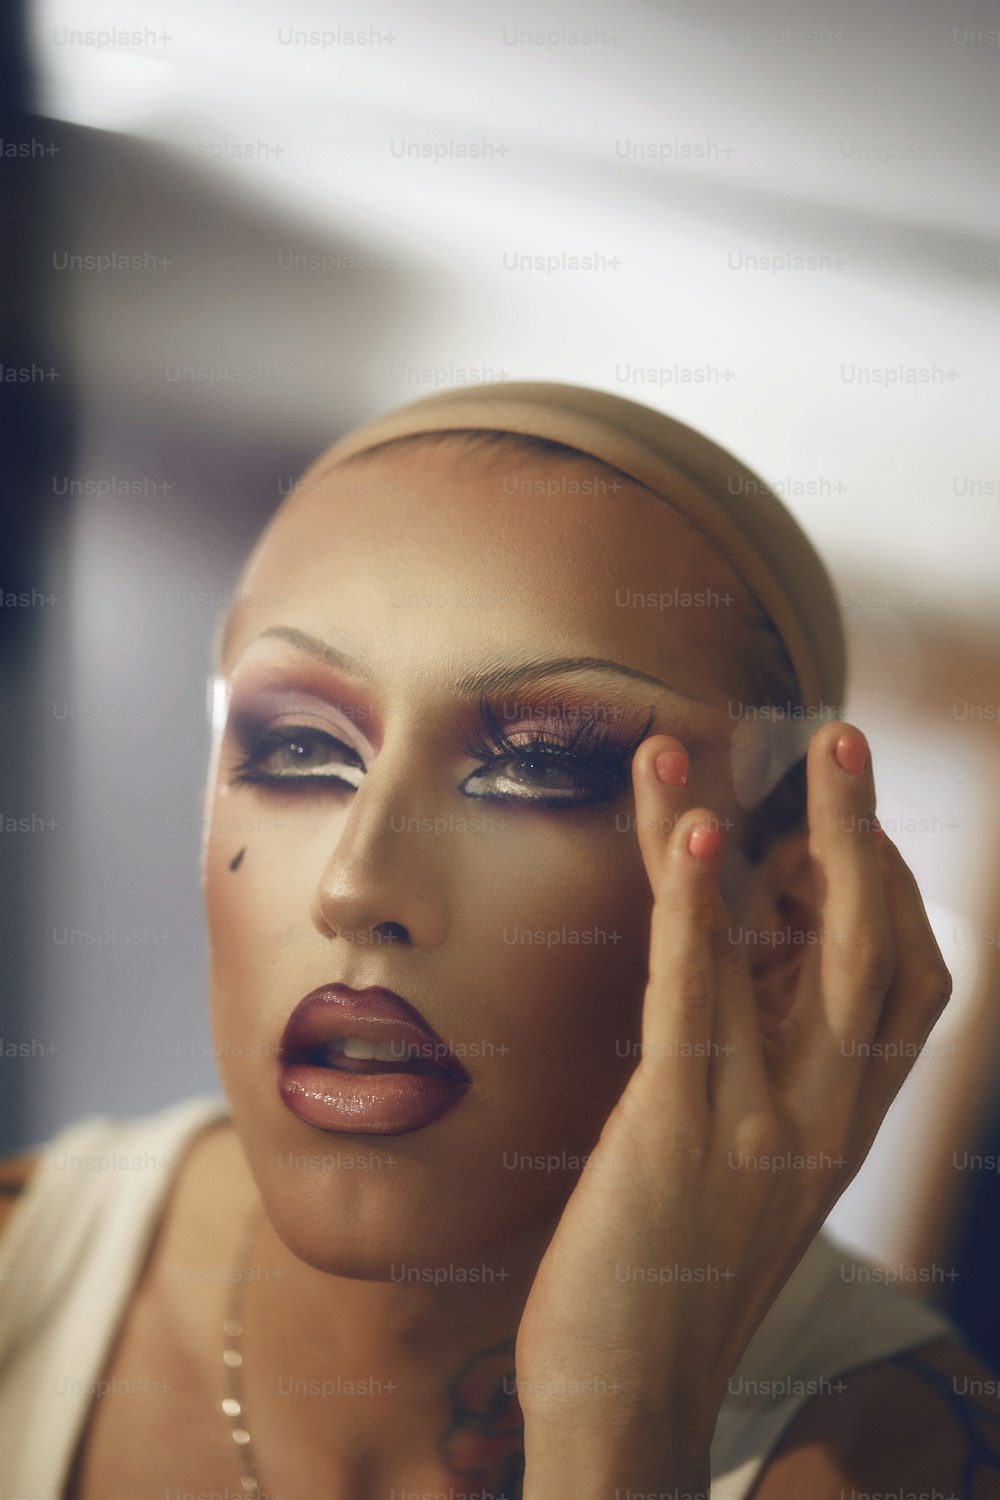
(780, 924)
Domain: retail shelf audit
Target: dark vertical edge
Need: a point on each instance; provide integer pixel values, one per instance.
(35, 438)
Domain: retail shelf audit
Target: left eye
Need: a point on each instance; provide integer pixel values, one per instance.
(544, 778)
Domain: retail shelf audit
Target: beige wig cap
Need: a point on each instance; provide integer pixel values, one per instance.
(738, 515)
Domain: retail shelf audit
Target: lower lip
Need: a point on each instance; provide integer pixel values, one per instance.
(367, 1103)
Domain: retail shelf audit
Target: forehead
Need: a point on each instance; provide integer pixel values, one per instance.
(431, 549)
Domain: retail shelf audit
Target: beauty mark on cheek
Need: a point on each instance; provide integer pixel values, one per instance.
(235, 863)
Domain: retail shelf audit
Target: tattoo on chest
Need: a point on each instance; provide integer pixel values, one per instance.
(484, 1439)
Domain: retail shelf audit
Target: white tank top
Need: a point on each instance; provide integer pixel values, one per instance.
(74, 1245)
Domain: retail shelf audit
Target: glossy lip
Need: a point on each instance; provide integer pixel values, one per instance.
(392, 1102)
(376, 1015)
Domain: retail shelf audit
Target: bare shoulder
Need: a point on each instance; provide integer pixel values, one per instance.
(926, 1421)
(14, 1174)
(208, 1164)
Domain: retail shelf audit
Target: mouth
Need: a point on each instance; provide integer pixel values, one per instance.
(366, 1060)
(354, 1055)
(370, 1031)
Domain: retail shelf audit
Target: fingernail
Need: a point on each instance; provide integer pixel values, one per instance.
(672, 767)
(851, 753)
(704, 842)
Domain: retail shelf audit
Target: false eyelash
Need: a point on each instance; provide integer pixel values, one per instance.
(587, 740)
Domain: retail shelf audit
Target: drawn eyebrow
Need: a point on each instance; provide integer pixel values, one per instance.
(493, 680)
(498, 679)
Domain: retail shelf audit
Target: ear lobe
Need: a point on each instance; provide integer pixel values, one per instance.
(781, 926)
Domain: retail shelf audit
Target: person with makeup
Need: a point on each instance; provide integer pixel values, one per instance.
(537, 989)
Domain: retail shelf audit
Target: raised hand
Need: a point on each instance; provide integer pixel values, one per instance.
(676, 1240)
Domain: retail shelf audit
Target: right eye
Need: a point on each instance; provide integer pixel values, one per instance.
(297, 753)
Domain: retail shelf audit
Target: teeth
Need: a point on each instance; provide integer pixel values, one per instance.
(355, 1046)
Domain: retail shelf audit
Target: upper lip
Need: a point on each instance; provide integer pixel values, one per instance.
(374, 1014)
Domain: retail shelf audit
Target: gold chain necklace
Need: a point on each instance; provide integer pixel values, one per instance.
(234, 1405)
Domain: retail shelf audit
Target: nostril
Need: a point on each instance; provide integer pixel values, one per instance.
(391, 932)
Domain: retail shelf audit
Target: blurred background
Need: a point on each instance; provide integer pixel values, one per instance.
(234, 231)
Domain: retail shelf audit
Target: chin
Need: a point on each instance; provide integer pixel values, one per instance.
(388, 1233)
(366, 1205)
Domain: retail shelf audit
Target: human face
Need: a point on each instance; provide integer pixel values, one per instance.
(420, 567)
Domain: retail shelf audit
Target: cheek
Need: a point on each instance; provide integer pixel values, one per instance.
(257, 896)
(264, 952)
(560, 940)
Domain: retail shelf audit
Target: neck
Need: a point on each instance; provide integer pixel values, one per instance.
(420, 1331)
(402, 1373)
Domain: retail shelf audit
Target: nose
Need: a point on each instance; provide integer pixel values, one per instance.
(384, 881)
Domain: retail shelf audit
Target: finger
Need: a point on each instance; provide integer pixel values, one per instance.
(679, 999)
(712, 1040)
(660, 770)
(738, 1080)
(846, 975)
(919, 992)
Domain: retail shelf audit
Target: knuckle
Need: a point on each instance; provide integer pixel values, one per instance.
(940, 977)
(760, 1134)
(939, 987)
